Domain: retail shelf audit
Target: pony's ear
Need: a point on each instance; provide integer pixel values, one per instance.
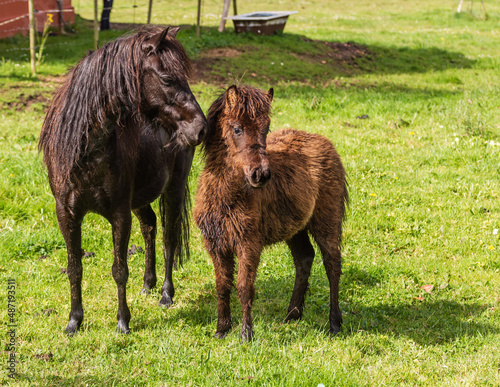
(231, 96)
(154, 42)
(172, 32)
(270, 94)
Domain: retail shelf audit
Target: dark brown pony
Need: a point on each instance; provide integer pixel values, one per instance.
(257, 190)
(120, 133)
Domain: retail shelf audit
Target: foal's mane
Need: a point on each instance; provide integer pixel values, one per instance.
(236, 102)
(102, 89)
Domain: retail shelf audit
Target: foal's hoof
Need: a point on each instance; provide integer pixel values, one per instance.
(72, 328)
(145, 292)
(122, 327)
(166, 300)
(246, 335)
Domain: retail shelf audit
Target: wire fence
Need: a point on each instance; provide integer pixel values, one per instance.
(133, 12)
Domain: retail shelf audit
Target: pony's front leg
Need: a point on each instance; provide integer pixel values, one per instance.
(248, 261)
(70, 225)
(147, 220)
(121, 225)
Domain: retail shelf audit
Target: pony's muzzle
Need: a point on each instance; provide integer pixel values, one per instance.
(194, 132)
(259, 177)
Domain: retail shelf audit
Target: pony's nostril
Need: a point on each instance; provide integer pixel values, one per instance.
(201, 134)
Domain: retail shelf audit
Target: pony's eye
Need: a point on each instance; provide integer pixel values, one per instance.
(237, 130)
(165, 79)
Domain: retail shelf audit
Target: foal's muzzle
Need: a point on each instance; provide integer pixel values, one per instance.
(259, 177)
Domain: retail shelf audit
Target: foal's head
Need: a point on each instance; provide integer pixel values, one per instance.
(241, 117)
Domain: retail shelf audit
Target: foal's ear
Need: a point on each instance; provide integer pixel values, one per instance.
(231, 96)
(172, 32)
(270, 94)
(154, 42)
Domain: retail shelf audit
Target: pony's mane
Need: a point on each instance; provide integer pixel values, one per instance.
(250, 101)
(104, 87)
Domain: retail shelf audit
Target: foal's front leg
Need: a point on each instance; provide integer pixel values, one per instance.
(248, 261)
(224, 272)
(121, 224)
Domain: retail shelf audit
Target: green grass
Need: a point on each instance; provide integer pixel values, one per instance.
(423, 171)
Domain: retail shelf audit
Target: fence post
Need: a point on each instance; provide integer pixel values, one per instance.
(198, 16)
(31, 11)
(150, 7)
(96, 27)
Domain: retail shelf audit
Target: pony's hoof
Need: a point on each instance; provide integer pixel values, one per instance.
(166, 301)
(72, 328)
(335, 330)
(122, 327)
(293, 314)
(220, 335)
(145, 292)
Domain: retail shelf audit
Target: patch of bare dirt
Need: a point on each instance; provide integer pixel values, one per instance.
(203, 65)
(349, 52)
(24, 101)
(44, 356)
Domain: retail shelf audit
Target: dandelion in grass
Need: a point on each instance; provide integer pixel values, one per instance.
(374, 195)
(412, 133)
(490, 247)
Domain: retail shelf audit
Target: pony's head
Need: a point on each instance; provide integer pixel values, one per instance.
(165, 93)
(241, 118)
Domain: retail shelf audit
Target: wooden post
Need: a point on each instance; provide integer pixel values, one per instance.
(225, 11)
(198, 17)
(150, 7)
(31, 11)
(96, 26)
(234, 8)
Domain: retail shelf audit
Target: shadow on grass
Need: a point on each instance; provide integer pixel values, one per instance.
(433, 321)
(221, 57)
(77, 380)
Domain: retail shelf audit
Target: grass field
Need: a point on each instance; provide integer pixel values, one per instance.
(413, 106)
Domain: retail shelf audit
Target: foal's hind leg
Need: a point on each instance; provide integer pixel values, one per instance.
(121, 224)
(147, 220)
(329, 245)
(70, 225)
(303, 257)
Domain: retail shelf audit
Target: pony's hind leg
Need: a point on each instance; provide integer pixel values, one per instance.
(121, 224)
(174, 221)
(303, 257)
(147, 220)
(70, 225)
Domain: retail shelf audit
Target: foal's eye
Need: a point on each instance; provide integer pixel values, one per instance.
(237, 130)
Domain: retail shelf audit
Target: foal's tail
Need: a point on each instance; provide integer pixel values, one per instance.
(175, 226)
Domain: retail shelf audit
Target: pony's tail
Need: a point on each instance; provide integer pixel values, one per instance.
(175, 227)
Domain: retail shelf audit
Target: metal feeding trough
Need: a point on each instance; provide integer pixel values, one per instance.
(261, 23)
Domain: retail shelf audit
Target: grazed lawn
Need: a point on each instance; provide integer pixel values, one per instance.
(408, 92)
